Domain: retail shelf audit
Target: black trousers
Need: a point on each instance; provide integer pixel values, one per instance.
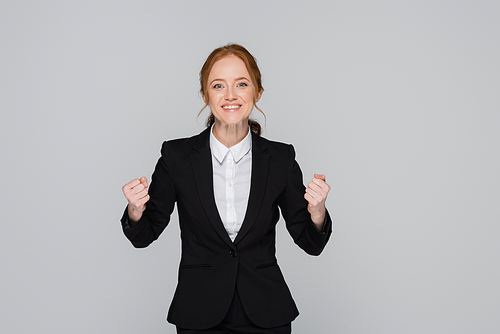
(237, 322)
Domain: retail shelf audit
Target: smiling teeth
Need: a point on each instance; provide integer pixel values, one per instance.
(230, 107)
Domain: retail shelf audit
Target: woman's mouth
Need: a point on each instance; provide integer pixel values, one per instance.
(231, 107)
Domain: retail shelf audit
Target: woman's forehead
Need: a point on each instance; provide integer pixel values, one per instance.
(229, 67)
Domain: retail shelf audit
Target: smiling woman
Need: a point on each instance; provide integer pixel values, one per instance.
(231, 96)
(251, 69)
(229, 185)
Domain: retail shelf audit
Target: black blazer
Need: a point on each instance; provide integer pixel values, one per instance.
(212, 266)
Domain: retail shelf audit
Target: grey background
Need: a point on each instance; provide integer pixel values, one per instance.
(397, 102)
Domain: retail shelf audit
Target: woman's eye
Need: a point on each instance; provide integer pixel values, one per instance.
(217, 86)
(242, 84)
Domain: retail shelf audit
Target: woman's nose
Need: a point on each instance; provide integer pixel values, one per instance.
(230, 94)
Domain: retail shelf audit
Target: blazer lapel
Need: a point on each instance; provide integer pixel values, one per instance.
(260, 166)
(201, 160)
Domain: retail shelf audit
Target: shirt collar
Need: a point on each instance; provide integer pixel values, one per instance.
(238, 151)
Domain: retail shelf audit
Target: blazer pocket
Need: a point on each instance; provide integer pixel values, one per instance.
(266, 265)
(194, 266)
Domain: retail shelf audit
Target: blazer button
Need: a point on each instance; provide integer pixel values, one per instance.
(233, 253)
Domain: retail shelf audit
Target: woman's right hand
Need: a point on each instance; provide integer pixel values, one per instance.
(136, 193)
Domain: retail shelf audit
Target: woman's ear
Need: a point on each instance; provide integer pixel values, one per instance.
(259, 95)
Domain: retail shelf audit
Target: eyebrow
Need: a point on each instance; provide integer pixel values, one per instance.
(237, 79)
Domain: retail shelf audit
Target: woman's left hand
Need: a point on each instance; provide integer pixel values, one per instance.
(316, 193)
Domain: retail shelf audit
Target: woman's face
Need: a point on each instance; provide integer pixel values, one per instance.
(231, 91)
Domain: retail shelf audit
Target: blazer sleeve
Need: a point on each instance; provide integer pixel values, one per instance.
(298, 221)
(159, 207)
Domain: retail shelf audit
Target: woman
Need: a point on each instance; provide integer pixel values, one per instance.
(228, 183)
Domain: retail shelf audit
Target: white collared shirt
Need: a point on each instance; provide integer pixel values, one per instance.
(232, 171)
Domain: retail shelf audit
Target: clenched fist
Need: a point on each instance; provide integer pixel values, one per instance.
(316, 193)
(136, 193)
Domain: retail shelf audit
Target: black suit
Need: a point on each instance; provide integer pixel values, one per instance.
(212, 266)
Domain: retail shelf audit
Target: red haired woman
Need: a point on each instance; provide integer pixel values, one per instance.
(229, 184)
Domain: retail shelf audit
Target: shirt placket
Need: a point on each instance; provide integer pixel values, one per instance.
(231, 211)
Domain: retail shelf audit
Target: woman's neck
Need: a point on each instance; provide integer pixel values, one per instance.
(230, 134)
